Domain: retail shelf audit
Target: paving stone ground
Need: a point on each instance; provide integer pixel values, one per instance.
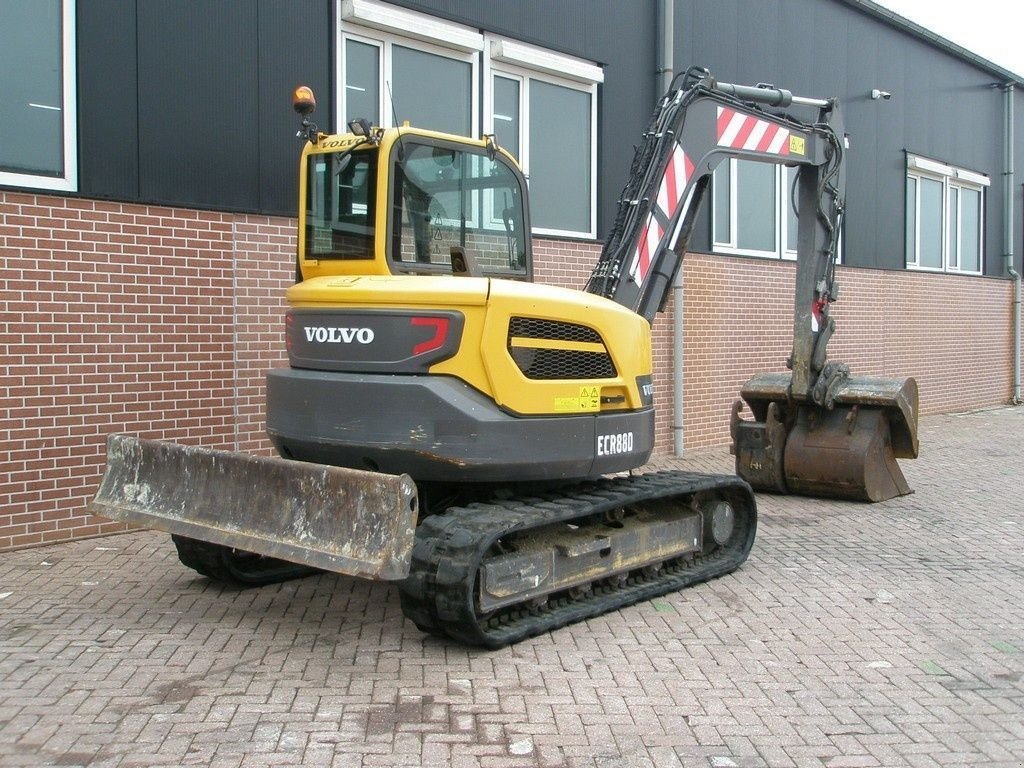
(855, 635)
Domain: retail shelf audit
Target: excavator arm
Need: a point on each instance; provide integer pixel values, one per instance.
(694, 129)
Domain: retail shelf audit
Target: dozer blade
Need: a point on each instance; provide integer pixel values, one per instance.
(342, 520)
(846, 452)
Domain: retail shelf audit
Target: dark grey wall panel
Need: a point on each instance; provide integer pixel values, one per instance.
(624, 37)
(107, 107)
(942, 107)
(213, 125)
(198, 104)
(295, 42)
(189, 103)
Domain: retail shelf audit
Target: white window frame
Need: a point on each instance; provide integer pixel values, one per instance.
(953, 181)
(489, 128)
(377, 23)
(783, 248)
(68, 182)
(526, 64)
(342, 101)
(384, 26)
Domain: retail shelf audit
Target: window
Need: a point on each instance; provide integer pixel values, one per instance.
(544, 105)
(945, 217)
(389, 79)
(753, 209)
(37, 94)
(442, 197)
(396, 65)
(362, 69)
(339, 201)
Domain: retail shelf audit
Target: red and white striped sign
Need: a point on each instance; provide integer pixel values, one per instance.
(741, 131)
(677, 174)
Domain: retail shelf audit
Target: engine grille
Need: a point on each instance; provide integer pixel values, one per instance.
(545, 363)
(555, 330)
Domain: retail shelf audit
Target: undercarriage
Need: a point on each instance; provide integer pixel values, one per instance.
(494, 572)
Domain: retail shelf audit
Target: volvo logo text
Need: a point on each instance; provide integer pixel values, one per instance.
(323, 335)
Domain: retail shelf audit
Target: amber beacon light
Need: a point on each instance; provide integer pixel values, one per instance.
(303, 100)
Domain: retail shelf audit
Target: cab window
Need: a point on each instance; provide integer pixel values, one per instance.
(340, 194)
(445, 196)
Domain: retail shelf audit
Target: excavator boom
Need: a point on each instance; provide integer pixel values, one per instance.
(797, 444)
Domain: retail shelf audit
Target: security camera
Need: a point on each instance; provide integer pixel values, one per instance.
(877, 94)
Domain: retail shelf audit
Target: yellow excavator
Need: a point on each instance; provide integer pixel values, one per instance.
(449, 424)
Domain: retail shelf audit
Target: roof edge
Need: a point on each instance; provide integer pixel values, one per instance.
(925, 34)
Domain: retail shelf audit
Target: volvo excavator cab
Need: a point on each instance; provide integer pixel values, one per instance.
(445, 422)
(402, 201)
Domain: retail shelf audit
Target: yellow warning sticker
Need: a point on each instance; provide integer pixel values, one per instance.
(588, 399)
(797, 145)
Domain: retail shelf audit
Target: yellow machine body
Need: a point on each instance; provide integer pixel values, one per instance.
(484, 359)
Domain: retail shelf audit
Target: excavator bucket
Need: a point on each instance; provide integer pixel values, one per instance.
(336, 519)
(848, 451)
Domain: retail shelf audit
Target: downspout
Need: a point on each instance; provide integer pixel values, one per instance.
(666, 28)
(1008, 221)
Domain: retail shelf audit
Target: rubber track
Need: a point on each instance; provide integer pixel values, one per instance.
(239, 568)
(439, 594)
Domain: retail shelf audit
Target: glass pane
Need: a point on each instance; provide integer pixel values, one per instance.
(931, 232)
(431, 91)
(32, 117)
(339, 205)
(790, 191)
(560, 144)
(506, 114)
(970, 230)
(911, 222)
(722, 184)
(755, 206)
(506, 129)
(439, 194)
(362, 82)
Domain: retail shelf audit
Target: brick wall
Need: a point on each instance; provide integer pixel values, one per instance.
(161, 322)
(264, 257)
(952, 333)
(126, 318)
